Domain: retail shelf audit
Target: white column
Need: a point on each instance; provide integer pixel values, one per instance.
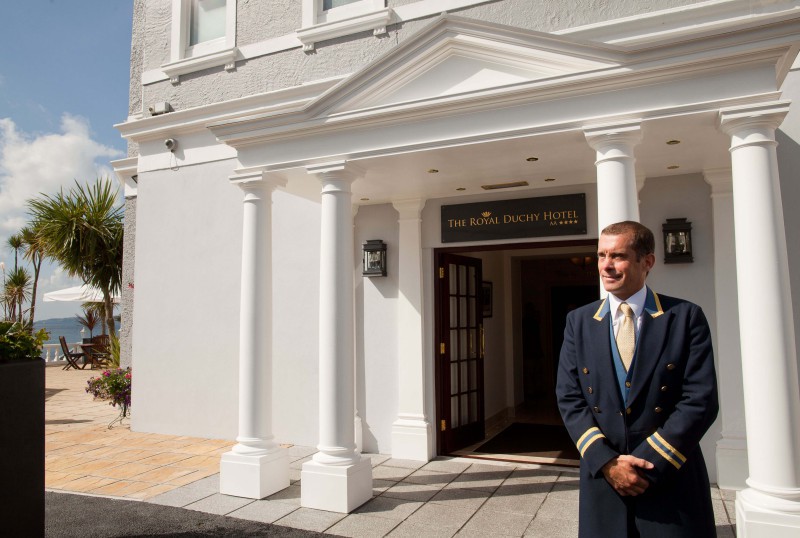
(256, 466)
(337, 479)
(412, 432)
(732, 448)
(770, 506)
(617, 196)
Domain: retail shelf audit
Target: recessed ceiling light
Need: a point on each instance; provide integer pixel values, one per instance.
(532, 159)
(673, 142)
(461, 189)
(550, 179)
(504, 185)
(673, 167)
(433, 171)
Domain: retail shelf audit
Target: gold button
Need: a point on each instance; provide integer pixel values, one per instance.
(670, 366)
(596, 409)
(664, 388)
(585, 370)
(628, 384)
(628, 410)
(589, 390)
(658, 409)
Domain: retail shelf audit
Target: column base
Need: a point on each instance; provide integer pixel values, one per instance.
(335, 488)
(412, 440)
(732, 468)
(753, 520)
(253, 477)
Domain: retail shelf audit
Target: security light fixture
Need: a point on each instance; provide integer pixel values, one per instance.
(374, 256)
(677, 241)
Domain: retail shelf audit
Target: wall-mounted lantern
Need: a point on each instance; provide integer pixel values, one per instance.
(677, 241)
(374, 258)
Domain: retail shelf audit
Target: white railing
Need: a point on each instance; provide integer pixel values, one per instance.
(52, 352)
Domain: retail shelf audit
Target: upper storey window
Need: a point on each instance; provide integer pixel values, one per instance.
(328, 19)
(203, 36)
(330, 4)
(207, 21)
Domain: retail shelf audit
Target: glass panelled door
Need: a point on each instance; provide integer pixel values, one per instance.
(460, 353)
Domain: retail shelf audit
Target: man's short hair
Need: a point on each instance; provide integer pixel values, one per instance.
(643, 242)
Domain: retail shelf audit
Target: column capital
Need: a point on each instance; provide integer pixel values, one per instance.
(335, 170)
(409, 209)
(735, 120)
(720, 179)
(257, 181)
(624, 135)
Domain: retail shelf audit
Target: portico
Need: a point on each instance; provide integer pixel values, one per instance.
(461, 107)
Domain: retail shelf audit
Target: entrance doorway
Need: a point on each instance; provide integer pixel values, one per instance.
(496, 363)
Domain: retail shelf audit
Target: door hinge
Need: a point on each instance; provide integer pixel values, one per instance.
(441, 348)
(443, 425)
(441, 272)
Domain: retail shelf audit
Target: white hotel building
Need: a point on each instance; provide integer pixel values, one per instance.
(300, 130)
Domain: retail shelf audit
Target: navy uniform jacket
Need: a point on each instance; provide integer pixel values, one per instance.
(658, 411)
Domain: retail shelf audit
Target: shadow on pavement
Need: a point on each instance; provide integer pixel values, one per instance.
(69, 515)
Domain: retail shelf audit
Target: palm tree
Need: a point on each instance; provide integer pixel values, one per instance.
(33, 251)
(15, 242)
(17, 290)
(82, 230)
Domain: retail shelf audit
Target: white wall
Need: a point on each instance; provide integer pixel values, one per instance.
(295, 361)
(186, 311)
(187, 288)
(377, 360)
(685, 196)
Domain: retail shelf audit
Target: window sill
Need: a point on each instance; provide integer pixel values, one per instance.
(226, 57)
(376, 21)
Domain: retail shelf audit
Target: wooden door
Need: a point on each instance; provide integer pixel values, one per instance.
(460, 352)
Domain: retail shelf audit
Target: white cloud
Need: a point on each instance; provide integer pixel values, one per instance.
(31, 164)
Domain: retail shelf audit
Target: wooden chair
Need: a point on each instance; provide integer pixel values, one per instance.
(100, 352)
(72, 358)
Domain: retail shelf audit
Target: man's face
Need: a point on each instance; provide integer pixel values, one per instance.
(622, 274)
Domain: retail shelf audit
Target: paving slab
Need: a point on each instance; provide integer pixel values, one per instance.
(263, 511)
(219, 504)
(311, 520)
(363, 526)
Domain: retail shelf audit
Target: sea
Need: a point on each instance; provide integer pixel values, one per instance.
(69, 328)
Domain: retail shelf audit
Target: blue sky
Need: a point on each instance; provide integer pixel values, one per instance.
(64, 82)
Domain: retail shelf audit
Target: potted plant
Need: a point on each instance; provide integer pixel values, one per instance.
(114, 386)
(22, 428)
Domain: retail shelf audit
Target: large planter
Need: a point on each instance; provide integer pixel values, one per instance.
(22, 448)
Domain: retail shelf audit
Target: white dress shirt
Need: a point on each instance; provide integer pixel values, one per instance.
(636, 302)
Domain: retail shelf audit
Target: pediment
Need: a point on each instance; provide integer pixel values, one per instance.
(456, 56)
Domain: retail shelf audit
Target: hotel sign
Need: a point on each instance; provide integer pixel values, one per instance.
(514, 219)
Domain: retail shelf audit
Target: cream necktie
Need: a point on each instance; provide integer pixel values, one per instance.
(626, 336)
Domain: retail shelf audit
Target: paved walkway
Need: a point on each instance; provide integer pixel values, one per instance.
(445, 497)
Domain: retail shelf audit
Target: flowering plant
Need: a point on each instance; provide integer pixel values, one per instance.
(113, 385)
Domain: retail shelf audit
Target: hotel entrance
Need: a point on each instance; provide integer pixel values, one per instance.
(500, 317)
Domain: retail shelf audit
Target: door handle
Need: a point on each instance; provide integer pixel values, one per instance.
(483, 342)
